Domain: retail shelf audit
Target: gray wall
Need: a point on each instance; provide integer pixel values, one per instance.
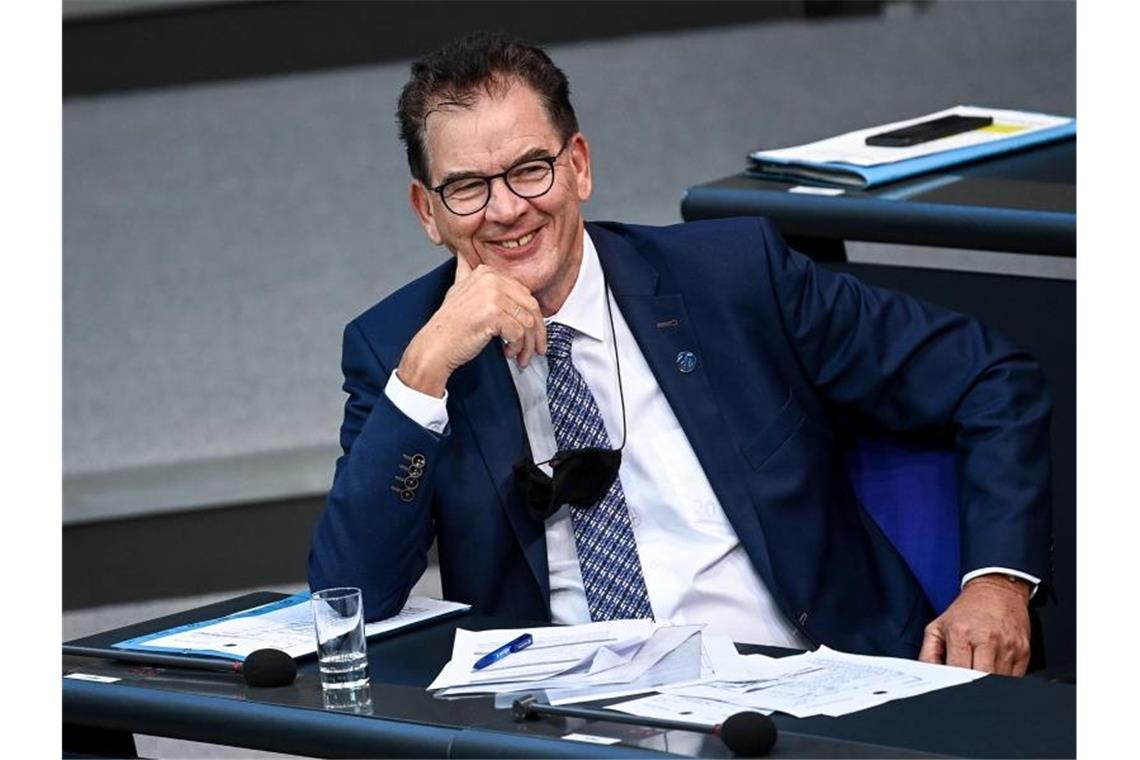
(218, 237)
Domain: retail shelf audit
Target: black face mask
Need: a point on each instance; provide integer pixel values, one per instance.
(581, 476)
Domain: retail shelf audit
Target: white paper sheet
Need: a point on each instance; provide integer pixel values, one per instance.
(705, 712)
(286, 625)
(556, 649)
(826, 682)
(730, 665)
(619, 658)
(684, 664)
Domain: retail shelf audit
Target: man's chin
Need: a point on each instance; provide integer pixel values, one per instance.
(526, 272)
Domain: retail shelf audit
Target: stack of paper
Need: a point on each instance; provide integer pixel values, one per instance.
(574, 663)
(848, 160)
(823, 682)
(699, 679)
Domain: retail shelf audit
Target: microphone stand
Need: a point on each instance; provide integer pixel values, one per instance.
(528, 708)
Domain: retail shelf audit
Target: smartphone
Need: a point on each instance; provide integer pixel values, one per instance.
(929, 130)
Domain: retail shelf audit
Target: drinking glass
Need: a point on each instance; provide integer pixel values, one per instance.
(342, 653)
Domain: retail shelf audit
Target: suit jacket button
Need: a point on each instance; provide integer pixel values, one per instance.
(686, 362)
(407, 495)
(411, 483)
(418, 460)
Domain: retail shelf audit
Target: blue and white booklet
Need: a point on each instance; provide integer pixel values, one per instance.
(286, 624)
(847, 160)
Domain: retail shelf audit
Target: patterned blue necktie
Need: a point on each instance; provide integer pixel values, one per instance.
(607, 551)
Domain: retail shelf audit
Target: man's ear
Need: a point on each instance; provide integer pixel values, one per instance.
(580, 161)
(420, 198)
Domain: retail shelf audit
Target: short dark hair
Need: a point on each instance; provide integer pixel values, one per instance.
(486, 61)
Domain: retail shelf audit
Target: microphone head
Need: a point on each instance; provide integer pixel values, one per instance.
(748, 734)
(269, 667)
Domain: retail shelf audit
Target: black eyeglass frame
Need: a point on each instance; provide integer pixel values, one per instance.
(487, 180)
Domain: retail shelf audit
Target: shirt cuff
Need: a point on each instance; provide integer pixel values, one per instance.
(1033, 580)
(426, 410)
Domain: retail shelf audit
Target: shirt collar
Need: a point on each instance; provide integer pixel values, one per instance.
(585, 306)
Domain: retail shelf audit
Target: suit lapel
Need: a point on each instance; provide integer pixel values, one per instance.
(488, 397)
(490, 401)
(663, 329)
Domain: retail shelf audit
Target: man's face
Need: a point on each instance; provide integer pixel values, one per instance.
(537, 241)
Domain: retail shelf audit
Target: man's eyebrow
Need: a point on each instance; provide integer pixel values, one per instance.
(529, 155)
(532, 154)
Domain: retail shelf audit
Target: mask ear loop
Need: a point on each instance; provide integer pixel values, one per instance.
(538, 487)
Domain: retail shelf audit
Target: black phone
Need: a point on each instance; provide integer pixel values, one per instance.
(929, 130)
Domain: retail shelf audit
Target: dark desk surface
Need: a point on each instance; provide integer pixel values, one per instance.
(991, 717)
(1023, 202)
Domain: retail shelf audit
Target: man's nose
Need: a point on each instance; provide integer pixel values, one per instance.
(504, 205)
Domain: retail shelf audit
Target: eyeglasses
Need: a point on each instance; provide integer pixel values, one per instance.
(527, 179)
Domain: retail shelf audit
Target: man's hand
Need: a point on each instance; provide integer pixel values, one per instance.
(986, 628)
(480, 306)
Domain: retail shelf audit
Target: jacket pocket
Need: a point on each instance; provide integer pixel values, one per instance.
(772, 436)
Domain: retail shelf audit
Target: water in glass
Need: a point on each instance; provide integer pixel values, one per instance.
(343, 663)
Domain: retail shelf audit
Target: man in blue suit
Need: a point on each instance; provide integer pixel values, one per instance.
(731, 372)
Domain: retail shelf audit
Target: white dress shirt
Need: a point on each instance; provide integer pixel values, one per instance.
(695, 568)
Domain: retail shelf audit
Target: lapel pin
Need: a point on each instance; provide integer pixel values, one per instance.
(686, 362)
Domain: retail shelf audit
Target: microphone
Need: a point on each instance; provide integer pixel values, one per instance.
(748, 734)
(263, 667)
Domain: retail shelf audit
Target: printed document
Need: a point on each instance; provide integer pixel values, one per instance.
(578, 663)
(826, 682)
(702, 712)
(685, 664)
(556, 649)
(286, 624)
(729, 665)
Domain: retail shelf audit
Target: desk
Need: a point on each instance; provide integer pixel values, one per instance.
(1024, 202)
(1006, 717)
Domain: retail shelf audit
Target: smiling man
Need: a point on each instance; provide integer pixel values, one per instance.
(728, 370)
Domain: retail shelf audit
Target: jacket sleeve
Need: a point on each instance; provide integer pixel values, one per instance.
(376, 528)
(910, 367)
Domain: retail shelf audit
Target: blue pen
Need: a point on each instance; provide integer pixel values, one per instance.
(522, 642)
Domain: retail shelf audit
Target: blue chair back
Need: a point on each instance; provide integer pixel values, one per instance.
(912, 494)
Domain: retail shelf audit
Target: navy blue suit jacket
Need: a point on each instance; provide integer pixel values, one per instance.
(791, 359)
